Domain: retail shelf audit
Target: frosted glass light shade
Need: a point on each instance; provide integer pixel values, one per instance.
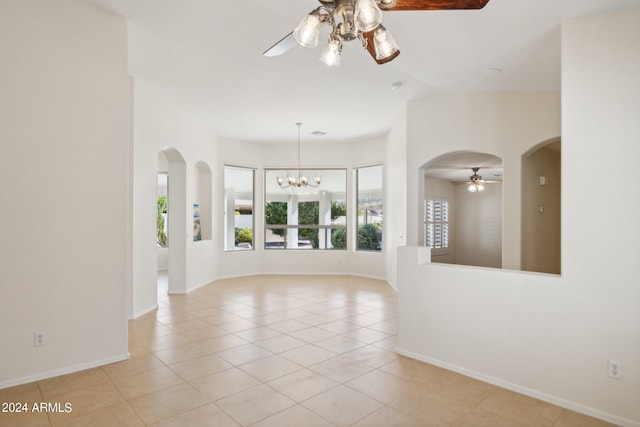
(384, 43)
(308, 31)
(331, 54)
(367, 15)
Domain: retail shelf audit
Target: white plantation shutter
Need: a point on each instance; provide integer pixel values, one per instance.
(436, 223)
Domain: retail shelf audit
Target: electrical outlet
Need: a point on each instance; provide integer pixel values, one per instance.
(38, 339)
(615, 369)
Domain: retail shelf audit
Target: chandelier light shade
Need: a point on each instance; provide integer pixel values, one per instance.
(298, 179)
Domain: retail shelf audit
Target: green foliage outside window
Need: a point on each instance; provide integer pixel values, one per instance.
(244, 235)
(162, 209)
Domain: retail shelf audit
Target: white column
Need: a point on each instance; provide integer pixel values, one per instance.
(292, 219)
(230, 219)
(324, 212)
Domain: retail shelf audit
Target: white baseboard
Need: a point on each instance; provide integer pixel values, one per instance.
(143, 311)
(555, 400)
(62, 371)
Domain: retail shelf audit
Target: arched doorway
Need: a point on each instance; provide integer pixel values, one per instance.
(462, 223)
(541, 209)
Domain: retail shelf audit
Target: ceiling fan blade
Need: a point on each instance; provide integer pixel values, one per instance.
(372, 50)
(282, 46)
(432, 4)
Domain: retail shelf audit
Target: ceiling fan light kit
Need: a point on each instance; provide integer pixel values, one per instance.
(362, 20)
(475, 182)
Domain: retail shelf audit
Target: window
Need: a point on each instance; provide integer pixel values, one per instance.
(436, 223)
(306, 217)
(369, 184)
(238, 212)
(162, 234)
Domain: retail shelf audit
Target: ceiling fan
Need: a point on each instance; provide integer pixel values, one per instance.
(476, 183)
(358, 19)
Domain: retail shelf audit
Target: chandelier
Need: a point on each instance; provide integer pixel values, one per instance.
(299, 179)
(475, 182)
(349, 20)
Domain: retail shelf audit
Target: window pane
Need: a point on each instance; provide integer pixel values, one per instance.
(238, 213)
(370, 208)
(305, 217)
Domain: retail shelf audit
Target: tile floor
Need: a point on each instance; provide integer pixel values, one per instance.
(277, 351)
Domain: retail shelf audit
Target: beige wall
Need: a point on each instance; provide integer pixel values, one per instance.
(541, 211)
(478, 225)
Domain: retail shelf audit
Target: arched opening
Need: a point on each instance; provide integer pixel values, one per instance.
(172, 164)
(462, 209)
(541, 209)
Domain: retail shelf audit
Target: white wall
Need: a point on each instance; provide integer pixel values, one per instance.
(64, 188)
(159, 126)
(550, 336)
(395, 198)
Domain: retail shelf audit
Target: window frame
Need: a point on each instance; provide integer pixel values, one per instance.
(310, 172)
(357, 210)
(253, 208)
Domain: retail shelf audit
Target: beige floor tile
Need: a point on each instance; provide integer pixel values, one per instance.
(460, 386)
(307, 355)
(225, 383)
(340, 344)
(189, 325)
(21, 393)
(302, 385)
(366, 335)
(281, 343)
(237, 325)
(222, 343)
(135, 365)
(71, 382)
(340, 326)
(389, 417)
(372, 356)
(86, 400)
(148, 382)
(258, 334)
(173, 355)
(205, 416)
(289, 325)
(342, 406)
(121, 415)
(244, 354)
(200, 367)
(270, 368)
(522, 409)
(573, 419)
(428, 406)
(295, 416)
(312, 334)
(340, 369)
(165, 341)
(164, 404)
(410, 369)
(203, 334)
(254, 404)
(479, 417)
(381, 386)
(24, 419)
